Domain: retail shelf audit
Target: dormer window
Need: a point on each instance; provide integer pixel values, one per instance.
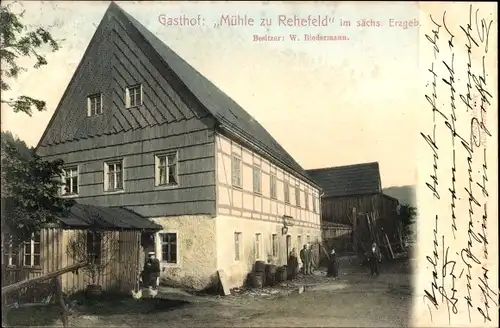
(133, 96)
(94, 104)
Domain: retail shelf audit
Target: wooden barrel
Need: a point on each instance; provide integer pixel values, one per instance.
(281, 274)
(259, 266)
(271, 268)
(256, 280)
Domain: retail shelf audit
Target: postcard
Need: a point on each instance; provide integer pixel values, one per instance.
(229, 164)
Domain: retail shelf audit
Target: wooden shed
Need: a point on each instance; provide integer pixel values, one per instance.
(352, 186)
(110, 235)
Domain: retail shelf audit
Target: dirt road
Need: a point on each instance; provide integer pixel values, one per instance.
(353, 300)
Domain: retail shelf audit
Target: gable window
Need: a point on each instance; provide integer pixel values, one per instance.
(297, 196)
(273, 183)
(274, 240)
(32, 251)
(113, 172)
(306, 201)
(236, 171)
(237, 245)
(166, 170)
(287, 193)
(258, 245)
(94, 104)
(257, 180)
(70, 180)
(94, 246)
(9, 251)
(314, 204)
(133, 96)
(169, 247)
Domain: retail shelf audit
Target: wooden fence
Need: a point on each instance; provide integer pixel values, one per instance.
(54, 277)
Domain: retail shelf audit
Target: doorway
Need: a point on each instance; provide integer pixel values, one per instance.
(288, 245)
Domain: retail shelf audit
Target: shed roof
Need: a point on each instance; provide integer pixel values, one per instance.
(348, 180)
(107, 218)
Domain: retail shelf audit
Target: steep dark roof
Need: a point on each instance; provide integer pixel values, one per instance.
(110, 218)
(348, 180)
(215, 101)
(229, 115)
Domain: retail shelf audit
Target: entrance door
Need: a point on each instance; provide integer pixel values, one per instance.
(288, 245)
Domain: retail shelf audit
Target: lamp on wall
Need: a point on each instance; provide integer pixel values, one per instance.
(287, 221)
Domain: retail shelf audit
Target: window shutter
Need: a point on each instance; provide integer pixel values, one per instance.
(141, 95)
(127, 98)
(100, 107)
(89, 112)
(105, 176)
(157, 171)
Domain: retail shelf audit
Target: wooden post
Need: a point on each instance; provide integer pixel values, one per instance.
(4, 311)
(354, 231)
(389, 246)
(60, 298)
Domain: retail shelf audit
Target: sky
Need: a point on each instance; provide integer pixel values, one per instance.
(327, 103)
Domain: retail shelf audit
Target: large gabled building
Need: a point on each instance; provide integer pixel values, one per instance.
(140, 128)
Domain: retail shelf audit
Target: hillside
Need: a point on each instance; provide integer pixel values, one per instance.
(405, 194)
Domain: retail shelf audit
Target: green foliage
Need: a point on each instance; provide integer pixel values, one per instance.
(30, 188)
(407, 215)
(16, 41)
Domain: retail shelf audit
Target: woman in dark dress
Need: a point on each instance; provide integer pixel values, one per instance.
(333, 266)
(293, 264)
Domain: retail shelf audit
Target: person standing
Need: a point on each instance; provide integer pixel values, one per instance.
(152, 270)
(305, 257)
(293, 264)
(374, 259)
(333, 265)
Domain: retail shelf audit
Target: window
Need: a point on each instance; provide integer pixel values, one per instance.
(166, 170)
(169, 247)
(94, 246)
(287, 193)
(314, 204)
(308, 239)
(32, 251)
(299, 242)
(237, 245)
(273, 182)
(94, 104)
(306, 201)
(236, 171)
(257, 180)
(9, 251)
(114, 176)
(70, 180)
(133, 96)
(258, 245)
(275, 245)
(297, 196)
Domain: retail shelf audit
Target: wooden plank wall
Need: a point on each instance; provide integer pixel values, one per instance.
(337, 209)
(120, 251)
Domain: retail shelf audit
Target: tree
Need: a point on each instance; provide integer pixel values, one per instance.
(407, 214)
(16, 40)
(98, 248)
(29, 189)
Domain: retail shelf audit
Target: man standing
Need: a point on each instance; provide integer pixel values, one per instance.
(305, 257)
(375, 257)
(152, 270)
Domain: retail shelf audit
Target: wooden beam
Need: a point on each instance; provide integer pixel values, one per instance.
(48, 276)
(60, 298)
